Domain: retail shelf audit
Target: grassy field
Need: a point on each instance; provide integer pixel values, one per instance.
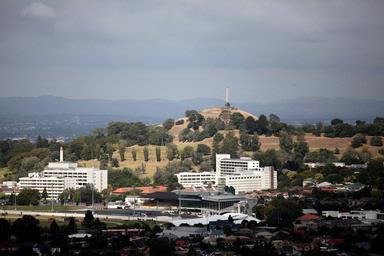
(45, 221)
(3, 171)
(44, 208)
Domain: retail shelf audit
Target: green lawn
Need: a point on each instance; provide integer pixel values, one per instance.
(46, 222)
(44, 208)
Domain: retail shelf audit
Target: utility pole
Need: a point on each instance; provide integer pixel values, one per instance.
(14, 193)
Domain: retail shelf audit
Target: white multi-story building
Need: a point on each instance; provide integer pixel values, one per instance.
(196, 179)
(58, 176)
(227, 166)
(244, 175)
(53, 185)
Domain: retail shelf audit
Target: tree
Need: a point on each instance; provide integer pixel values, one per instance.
(259, 211)
(54, 228)
(28, 196)
(262, 125)
(133, 152)
(218, 137)
(146, 154)
(376, 141)
(88, 220)
(158, 135)
(26, 228)
(300, 148)
(230, 189)
(230, 145)
(168, 124)
(187, 152)
(203, 149)
(323, 155)
(281, 212)
(171, 151)
(5, 229)
(99, 225)
(358, 140)
(212, 126)
(158, 154)
(195, 119)
(44, 194)
(197, 158)
(160, 247)
(250, 125)
(72, 228)
(271, 157)
(249, 142)
(186, 135)
(237, 120)
(352, 157)
(336, 121)
(109, 150)
(122, 151)
(115, 162)
(275, 124)
(285, 141)
(41, 142)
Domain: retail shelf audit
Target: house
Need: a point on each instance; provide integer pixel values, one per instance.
(185, 231)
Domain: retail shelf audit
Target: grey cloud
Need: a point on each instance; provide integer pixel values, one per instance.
(38, 9)
(261, 47)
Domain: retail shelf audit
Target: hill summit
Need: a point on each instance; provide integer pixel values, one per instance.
(215, 112)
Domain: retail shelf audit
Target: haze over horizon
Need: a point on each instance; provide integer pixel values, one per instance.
(265, 51)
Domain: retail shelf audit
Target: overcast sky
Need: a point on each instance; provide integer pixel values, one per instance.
(263, 50)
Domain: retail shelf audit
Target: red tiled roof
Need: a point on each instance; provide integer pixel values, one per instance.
(308, 217)
(143, 190)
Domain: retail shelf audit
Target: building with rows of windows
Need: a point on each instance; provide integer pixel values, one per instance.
(244, 175)
(58, 176)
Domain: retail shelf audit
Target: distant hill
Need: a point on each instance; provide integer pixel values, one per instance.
(291, 111)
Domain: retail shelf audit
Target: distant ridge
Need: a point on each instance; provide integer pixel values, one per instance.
(296, 110)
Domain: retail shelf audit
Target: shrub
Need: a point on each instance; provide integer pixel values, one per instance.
(376, 141)
(358, 140)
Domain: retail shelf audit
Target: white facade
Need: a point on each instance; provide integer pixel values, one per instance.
(196, 179)
(248, 181)
(357, 215)
(58, 176)
(227, 166)
(244, 175)
(83, 176)
(53, 185)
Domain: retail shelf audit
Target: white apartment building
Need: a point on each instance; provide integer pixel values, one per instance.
(244, 175)
(58, 176)
(226, 166)
(196, 179)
